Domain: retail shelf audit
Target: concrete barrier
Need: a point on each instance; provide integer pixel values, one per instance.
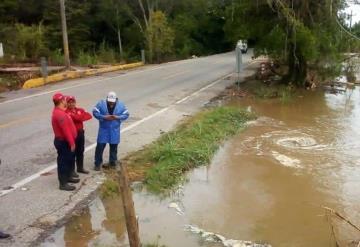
(37, 82)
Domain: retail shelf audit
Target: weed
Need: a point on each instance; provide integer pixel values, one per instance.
(109, 188)
(86, 59)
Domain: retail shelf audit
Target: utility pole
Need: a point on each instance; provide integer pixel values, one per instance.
(351, 19)
(65, 34)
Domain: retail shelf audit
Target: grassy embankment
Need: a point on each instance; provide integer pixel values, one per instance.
(162, 164)
(272, 91)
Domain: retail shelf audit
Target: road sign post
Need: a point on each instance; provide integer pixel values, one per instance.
(1, 50)
(239, 66)
(43, 68)
(143, 56)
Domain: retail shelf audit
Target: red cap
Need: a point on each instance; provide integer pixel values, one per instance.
(58, 97)
(70, 98)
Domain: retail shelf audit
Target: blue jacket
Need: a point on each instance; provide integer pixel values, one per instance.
(109, 130)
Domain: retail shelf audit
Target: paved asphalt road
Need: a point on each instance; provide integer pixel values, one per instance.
(25, 132)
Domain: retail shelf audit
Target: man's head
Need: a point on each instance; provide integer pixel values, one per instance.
(71, 102)
(111, 99)
(59, 100)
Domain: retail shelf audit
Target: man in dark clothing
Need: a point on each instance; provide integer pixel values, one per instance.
(65, 135)
(4, 235)
(79, 116)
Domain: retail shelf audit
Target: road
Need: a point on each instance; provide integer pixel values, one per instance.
(157, 96)
(26, 135)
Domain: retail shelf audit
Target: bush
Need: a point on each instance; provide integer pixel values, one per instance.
(106, 54)
(26, 42)
(86, 59)
(56, 57)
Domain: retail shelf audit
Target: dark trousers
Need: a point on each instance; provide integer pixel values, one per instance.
(99, 153)
(79, 150)
(65, 160)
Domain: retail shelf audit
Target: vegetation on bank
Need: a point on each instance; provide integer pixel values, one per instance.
(269, 91)
(163, 164)
(190, 145)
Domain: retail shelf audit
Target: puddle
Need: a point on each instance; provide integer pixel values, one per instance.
(266, 185)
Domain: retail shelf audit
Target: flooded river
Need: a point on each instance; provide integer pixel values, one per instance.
(266, 185)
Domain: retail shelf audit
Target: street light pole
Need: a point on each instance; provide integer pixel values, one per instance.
(65, 34)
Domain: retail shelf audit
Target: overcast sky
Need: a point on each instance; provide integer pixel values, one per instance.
(355, 11)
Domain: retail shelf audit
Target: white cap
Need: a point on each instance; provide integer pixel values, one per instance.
(111, 97)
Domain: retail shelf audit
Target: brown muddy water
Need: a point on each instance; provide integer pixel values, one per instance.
(268, 184)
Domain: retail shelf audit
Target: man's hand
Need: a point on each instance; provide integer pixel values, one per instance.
(109, 117)
(72, 148)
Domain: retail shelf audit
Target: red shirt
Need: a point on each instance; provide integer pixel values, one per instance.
(63, 126)
(79, 116)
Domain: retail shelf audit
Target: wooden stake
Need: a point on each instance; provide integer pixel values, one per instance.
(129, 209)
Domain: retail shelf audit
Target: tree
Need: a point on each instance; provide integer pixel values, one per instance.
(159, 36)
(297, 32)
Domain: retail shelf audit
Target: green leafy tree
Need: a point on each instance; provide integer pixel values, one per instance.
(300, 33)
(159, 36)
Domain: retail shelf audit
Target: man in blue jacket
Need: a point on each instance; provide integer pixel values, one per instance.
(110, 113)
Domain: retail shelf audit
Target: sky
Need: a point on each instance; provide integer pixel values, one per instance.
(355, 11)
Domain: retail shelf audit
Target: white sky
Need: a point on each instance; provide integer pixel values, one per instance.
(355, 11)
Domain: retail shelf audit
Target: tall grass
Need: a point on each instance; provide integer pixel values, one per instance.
(192, 144)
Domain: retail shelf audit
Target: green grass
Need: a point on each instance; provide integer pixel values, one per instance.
(274, 91)
(190, 145)
(109, 188)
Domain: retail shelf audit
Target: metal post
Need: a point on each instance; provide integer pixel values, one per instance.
(238, 64)
(43, 68)
(143, 56)
(65, 34)
(129, 210)
(1, 50)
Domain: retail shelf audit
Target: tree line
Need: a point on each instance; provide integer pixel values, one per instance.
(114, 29)
(303, 34)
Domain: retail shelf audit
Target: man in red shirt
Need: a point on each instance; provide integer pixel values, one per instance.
(79, 116)
(65, 135)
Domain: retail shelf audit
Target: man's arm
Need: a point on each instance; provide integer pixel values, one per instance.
(83, 115)
(64, 124)
(123, 115)
(97, 114)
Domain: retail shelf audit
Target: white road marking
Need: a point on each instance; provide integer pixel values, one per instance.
(92, 146)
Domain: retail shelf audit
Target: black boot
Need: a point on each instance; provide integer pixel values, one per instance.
(67, 187)
(73, 180)
(74, 174)
(80, 167)
(4, 235)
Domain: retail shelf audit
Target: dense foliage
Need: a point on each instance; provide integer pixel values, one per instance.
(110, 30)
(303, 34)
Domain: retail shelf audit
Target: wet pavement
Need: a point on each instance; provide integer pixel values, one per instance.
(267, 184)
